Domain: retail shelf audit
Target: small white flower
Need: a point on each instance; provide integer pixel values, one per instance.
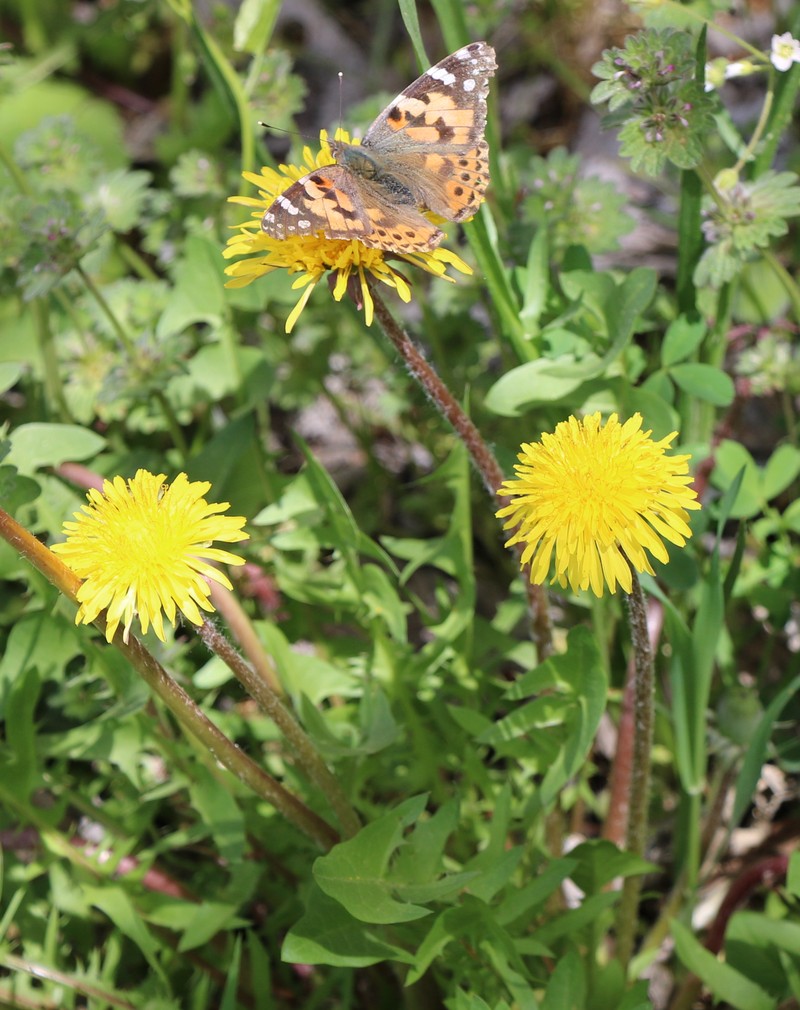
(740, 68)
(785, 51)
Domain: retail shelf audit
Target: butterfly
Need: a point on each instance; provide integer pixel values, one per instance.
(425, 152)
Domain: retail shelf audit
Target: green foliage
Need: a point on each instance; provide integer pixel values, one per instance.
(576, 210)
(137, 870)
(662, 113)
(743, 220)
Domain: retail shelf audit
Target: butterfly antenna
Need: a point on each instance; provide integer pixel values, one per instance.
(341, 92)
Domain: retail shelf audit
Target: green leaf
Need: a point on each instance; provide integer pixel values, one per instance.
(599, 861)
(781, 469)
(705, 382)
(328, 934)
(10, 372)
(530, 384)
(731, 458)
(792, 876)
(529, 899)
(725, 983)
(23, 773)
(536, 280)
(115, 903)
(383, 603)
(198, 295)
(681, 340)
(210, 918)
(39, 444)
(757, 750)
(356, 872)
(220, 811)
(566, 988)
(253, 27)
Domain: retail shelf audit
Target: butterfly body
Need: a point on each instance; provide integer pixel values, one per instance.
(425, 153)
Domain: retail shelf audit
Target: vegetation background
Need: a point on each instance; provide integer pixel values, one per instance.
(138, 873)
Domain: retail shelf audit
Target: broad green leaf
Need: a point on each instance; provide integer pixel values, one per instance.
(730, 458)
(759, 930)
(528, 900)
(599, 861)
(682, 339)
(94, 118)
(210, 918)
(40, 444)
(624, 309)
(383, 603)
(356, 872)
(530, 384)
(198, 295)
(659, 416)
(725, 983)
(706, 382)
(570, 922)
(780, 471)
(10, 372)
(421, 858)
(566, 987)
(328, 934)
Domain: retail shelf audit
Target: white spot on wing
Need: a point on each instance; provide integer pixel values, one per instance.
(440, 74)
(469, 84)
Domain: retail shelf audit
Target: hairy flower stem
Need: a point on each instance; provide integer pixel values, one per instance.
(270, 703)
(643, 709)
(482, 456)
(185, 709)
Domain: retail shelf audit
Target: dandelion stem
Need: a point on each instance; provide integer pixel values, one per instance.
(185, 709)
(482, 456)
(300, 743)
(643, 710)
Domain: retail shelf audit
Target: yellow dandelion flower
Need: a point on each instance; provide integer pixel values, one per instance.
(313, 256)
(594, 497)
(142, 547)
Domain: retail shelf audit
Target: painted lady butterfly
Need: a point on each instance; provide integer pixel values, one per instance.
(425, 152)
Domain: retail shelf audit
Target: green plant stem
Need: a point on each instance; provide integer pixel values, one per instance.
(482, 456)
(307, 754)
(107, 311)
(643, 708)
(184, 709)
(47, 352)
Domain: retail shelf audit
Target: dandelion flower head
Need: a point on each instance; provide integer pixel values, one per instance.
(591, 497)
(349, 261)
(142, 548)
